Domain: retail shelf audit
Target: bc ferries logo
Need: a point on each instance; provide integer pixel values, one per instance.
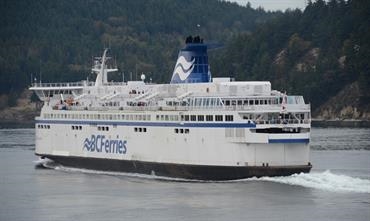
(183, 68)
(98, 143)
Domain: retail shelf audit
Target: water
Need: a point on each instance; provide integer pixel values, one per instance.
(338, 188)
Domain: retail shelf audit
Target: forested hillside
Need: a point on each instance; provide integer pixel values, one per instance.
(55, 40)
(319, 52)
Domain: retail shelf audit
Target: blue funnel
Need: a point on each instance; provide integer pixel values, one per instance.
(192, 63)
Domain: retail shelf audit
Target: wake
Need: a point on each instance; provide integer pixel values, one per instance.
(323, 181)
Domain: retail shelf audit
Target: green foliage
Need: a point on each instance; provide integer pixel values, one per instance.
(55, 40)
(315, 52)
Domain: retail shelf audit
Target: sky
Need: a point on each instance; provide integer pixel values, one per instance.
(274, 5)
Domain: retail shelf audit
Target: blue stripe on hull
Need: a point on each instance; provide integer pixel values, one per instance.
(303, 140)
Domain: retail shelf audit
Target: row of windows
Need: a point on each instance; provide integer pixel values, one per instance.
(41, 126)
(181, 131)
(167, 117)
(102, 128)
(140, 129)
(136, 117)
(206, 117)
(76, 127)
(205, 102)
(244, 102)
(140, 117)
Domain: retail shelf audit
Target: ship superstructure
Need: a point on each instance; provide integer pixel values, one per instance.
(196, 127)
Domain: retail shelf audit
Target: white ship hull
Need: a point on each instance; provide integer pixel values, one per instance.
(198, 150)
(195, 127)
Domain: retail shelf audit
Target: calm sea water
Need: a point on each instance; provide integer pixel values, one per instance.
(338, 188)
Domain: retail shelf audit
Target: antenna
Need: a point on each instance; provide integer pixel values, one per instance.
(40, 73)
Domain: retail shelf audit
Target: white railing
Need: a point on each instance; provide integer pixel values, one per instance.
(64, 84)
(74, 84)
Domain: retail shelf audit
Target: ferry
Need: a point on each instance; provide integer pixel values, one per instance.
(196, 127)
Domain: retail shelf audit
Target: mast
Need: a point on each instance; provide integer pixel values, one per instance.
(100, 67)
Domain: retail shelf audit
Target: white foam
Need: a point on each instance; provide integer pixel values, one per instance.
(324, 181)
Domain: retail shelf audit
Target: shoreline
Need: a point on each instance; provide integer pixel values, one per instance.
(340, 123)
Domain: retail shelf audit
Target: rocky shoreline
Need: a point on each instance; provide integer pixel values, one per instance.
(340, 123)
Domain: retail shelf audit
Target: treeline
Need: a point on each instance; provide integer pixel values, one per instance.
(315, 52)
(55, 40)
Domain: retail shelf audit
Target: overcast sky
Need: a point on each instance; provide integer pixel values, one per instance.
(274, 5)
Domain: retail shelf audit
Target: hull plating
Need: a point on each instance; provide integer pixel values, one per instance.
(196, 172)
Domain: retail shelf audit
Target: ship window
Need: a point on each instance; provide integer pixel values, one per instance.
(240, 102)
(193, 117)
(144, 129)
(187, 131)
(157, 117)
(227, 103)
(73, 127)
(256, 102)
(250, 102)
(176, 130)
(106, 128)
(140, 129)
(198, 101)
(209, 118)
(229, 117)
(48, 126)
(181, 131)
(205, 101)
(219, 118)
(135, 129)
(186, 117)
(200, 117)
(166, 117)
